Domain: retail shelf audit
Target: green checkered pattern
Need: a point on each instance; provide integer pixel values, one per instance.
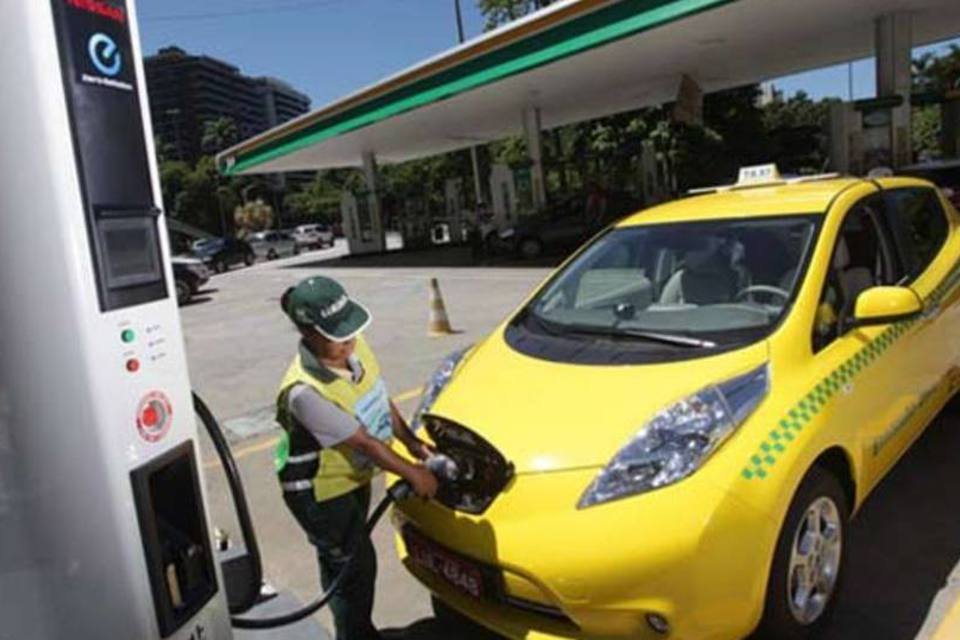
(799, 416)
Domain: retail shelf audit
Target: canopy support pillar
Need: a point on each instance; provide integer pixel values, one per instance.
(534, 139)
(361, 213)
(893, 42)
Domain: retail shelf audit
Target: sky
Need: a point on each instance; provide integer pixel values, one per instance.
(329, 48)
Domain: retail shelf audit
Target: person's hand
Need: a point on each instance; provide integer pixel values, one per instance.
(423, 482)
(420, 449)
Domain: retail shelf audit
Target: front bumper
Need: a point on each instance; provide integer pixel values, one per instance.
(689, 553)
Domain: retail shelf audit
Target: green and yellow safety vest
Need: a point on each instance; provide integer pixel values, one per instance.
(301, 463)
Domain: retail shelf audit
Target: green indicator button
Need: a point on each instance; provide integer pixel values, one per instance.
(128, 335)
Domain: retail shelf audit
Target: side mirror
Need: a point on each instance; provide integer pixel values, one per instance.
(883, 305)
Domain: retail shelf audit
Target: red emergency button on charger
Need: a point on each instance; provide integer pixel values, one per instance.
(154, 415)
(149, 417)
(133, 365)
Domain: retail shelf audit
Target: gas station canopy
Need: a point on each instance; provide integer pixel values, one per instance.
(578, 60)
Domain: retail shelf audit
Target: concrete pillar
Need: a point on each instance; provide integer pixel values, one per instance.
(893, 41)
(846, 139)
(362, 215)
(534, 138)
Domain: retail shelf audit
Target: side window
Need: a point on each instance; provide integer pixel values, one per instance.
(920, 225)
(861, 258)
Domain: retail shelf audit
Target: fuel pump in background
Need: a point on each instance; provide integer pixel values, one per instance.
(103, 529)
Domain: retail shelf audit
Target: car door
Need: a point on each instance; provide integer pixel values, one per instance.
(921, 229)
(867, 369)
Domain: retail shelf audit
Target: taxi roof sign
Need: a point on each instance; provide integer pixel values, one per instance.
(762, 175)
(758, 174)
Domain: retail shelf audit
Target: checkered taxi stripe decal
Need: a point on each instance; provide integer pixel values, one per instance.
(790, 426)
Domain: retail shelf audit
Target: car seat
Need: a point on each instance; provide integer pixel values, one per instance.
(707, 277)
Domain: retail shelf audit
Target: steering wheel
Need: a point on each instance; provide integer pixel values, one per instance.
(762, 288)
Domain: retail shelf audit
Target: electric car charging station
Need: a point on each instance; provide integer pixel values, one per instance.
(102, 513)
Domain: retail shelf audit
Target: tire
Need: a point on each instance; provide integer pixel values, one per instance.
(271, 255)
(220, 265)
(783, 618)
(296, 250)
(249, 258)
(183, 290)
(530, 248)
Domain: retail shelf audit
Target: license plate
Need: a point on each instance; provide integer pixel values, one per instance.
(462, 574)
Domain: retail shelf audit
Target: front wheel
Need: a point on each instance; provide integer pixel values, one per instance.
(183, 290)
(808, 566)
(249, 258)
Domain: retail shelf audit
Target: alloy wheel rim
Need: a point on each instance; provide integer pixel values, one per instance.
(814, 561)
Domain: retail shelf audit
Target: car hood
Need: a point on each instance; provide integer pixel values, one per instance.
(546, 416)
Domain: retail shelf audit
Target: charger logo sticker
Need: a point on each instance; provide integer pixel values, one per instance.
(154, 416)
(104, 54)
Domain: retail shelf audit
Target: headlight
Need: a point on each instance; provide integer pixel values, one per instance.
(679, 439)
(508, 233)
(435, 386)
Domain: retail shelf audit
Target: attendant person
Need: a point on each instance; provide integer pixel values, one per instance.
(338, 421)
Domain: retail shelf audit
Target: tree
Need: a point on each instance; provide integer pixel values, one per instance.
(254, 216)
(797, 127)
(196, 203)
(173, 177)
(932, 73)
(218, 134)
(926, 130)
(498, 12)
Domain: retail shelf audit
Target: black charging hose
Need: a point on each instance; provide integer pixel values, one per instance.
(398, 491)
(239, 501)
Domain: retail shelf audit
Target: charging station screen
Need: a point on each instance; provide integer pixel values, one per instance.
(129, 248)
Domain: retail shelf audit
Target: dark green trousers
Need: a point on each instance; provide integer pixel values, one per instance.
(336, 527)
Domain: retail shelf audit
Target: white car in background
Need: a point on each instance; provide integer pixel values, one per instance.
(313, 236)
(271, 245)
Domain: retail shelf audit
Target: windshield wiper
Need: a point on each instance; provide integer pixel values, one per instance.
(652, 336)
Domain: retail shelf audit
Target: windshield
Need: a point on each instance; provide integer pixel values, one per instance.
(679, 285)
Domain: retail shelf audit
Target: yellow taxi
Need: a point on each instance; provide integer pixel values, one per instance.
(668, 439)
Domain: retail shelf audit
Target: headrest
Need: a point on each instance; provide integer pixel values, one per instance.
(702, 259)
(841, 257)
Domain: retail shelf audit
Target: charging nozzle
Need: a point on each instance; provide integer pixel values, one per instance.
(443, 467)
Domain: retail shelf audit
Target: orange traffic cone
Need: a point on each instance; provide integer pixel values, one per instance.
(439, 322)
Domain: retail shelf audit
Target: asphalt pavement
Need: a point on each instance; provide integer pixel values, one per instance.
(902, 548)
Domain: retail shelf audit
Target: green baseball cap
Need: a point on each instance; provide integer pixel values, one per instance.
(323, 303)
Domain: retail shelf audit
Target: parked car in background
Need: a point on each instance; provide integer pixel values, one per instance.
(313, 236)
(271, 245)
(189, 274)
(944, 174)
(565, 225)
(222, 253)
